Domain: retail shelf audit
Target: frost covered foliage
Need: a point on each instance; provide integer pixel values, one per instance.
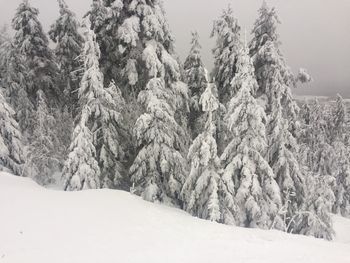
(282, 156)
(201, 189)
(81, 170)
(314, 219)
(110, 138)
(228, 44)
(104, 120)
(31, 41)
(106, 17)
(342, 157)
(267, 57)
(12, 156)
(158, 172)
(42, 158)
(147, 45)
(275, 81)
(196, 77)
(256, 191)
(65, 33)
(227, 33)
(15, 81)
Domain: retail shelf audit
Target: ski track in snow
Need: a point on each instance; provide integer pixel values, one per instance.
(102, 226)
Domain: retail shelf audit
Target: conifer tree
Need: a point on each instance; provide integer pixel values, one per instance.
(274, 91)
(109, 137)
(81, 170)
(31, 41)
(314, 219)
(12, 155)
(43, 148)
(158, 172)
(201, 189)
(256, 191)
(196, 77)
(65, 33)
(15, 81)
(104, 120)
(342, 152)
(268, 59)
(228, 44)
(106, 18)
(147, 47)
(282, 155)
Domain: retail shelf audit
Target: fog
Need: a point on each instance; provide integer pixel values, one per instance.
(315, 34)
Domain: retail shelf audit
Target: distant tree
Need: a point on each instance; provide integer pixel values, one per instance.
(12, 154)
(65, 33)
(31, 41)
(196, 77)
(43, 150)
(256, 191)
(341, 147)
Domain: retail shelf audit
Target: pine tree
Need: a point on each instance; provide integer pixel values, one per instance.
(4, 42)
(106, 106)
(314, 219)
(282, 155)
(148, 51)
(104, 120)
(110, 134)
(274, 91)
(43, 148)
(31, 41)
(147, 48)
(15, 81)
(81, 169)
(256, 191)
(158, 172)
(228, 44)
(342, 152)
(12, 154)
(196, 77)
(201, 189)
(65, 33)
(106, 17)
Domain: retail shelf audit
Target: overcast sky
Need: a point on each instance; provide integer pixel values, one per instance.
(315, 33)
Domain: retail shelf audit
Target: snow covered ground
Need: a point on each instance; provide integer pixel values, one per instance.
(46, 226)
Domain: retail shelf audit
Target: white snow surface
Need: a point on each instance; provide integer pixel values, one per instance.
(101, 226)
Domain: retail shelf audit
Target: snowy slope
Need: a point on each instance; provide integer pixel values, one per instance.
(45, 226)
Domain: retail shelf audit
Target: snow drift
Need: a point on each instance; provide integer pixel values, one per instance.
(100, 226)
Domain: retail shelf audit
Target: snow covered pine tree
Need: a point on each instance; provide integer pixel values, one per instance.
(201, 189)
(65, 33)
(256, 191)
(31, 41)
(101, 122)
(159, 169)
(12, 156)
(196, 77)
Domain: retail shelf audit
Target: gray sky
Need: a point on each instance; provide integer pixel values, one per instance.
(315, 33)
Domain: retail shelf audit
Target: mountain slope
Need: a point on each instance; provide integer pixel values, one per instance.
(40, 226)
